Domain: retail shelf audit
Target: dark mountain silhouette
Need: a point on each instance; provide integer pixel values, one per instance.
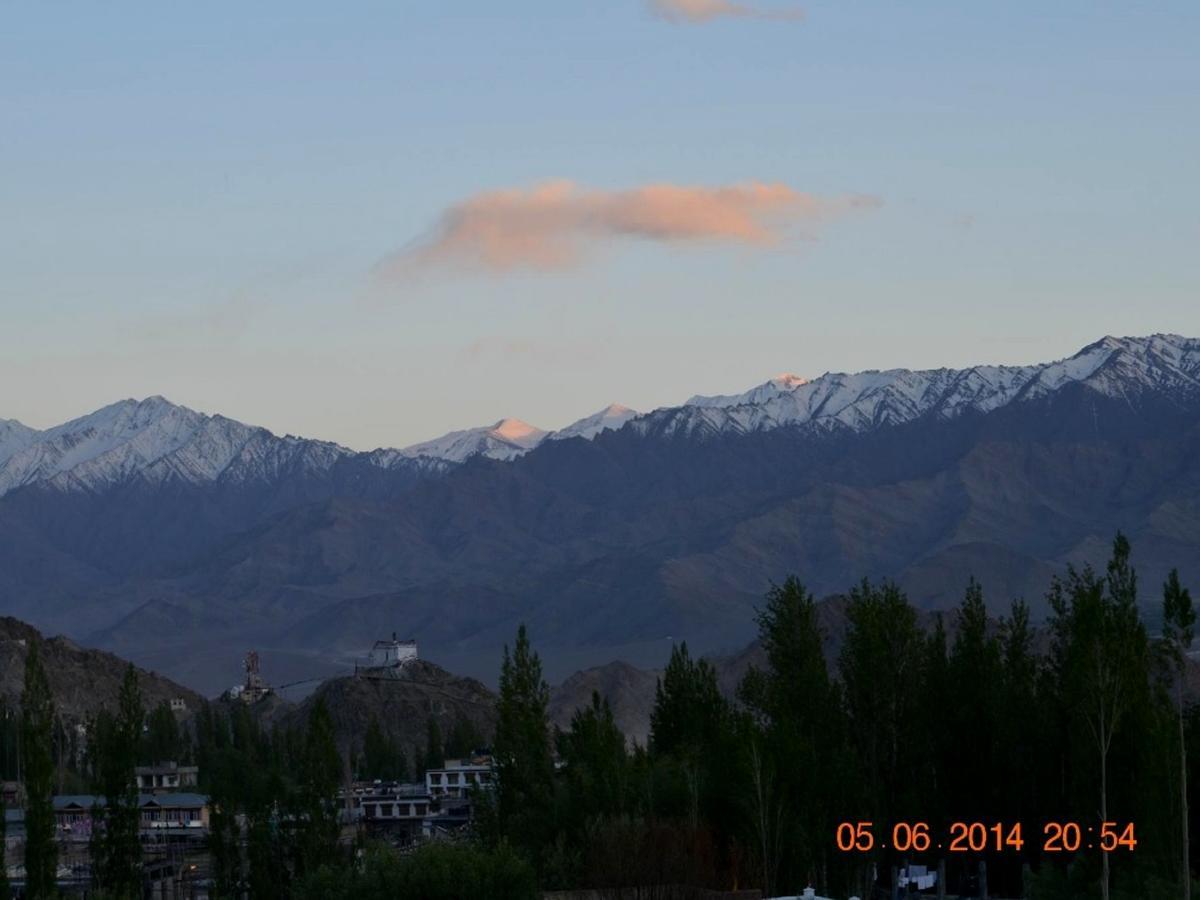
(670, 527)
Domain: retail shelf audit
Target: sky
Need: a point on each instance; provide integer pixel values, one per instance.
(376, 222)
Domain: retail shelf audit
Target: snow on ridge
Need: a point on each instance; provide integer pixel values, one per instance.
(156, 440)
(865, 400)
(14, 437)
(510, 438)
(506, 439)
(611, 417)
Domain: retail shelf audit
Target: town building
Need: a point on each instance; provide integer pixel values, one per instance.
(167, 777)
(457, 777)
(73, 813)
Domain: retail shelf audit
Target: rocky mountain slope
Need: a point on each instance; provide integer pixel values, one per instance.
(82, 681)
(628, 690)
(403, 706)
(672, 525)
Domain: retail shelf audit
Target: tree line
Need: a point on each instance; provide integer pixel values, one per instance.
(915, 718)
(960, 718)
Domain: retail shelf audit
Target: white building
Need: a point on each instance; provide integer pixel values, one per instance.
(457, 777)
(387, 658)
(393, 652)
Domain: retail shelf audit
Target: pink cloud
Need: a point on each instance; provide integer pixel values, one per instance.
(706, 10)
(551, 225)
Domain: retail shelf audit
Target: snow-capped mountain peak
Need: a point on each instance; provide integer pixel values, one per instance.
(768, 390)
(786, 381)
(14, 437)
(157, 441)
(611, 417)
(1165, 363)
(507, 439)
(153, 440)
(518, 432)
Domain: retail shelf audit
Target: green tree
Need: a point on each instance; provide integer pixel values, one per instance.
(5, 886)
(793, 768)
(320, 774)
(117, 853)
(524, 768)
(974, 677)
(688, 706)
(595, 761)
(163, 742)
(382, 757)
(464, 738)
(1100, 657)
(880, 663)
(37, 730)
(1020, 726)
(435, 871)
(435, 748)
(1179, 621)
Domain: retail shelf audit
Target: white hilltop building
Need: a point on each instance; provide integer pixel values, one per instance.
(387, 658)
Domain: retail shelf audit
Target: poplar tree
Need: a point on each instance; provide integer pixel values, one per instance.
(435, 750)
(321, 767)
(1100, 655)
(117, 853)
(37, 730)
(880, 663)
(5, 886)
(382, 757)
(163, 741)
(523, 762)
(974, 672)
(1179, 620)
(792, 768)
(596, 762)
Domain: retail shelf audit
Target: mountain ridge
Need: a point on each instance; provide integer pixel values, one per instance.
(606, 546)
(157, 440)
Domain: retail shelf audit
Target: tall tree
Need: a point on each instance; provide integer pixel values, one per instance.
(117, 867)
(1019, 727)
(5, 886)
(382, 757)
(688, 706)
(464, 738)
(1100, 655)
(37, 731)
(163, 741)
(596, 762)
(793, 766)
(435, 748)
(974, 672)
(880, 662)
(1179, 621)
(524, 766)
(321, 768)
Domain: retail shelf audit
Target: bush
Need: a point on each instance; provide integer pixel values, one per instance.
(432, 872)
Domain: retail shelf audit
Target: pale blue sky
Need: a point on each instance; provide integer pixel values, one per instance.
(194, 197)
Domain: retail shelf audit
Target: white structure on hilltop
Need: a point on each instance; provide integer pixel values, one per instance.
(387, 658)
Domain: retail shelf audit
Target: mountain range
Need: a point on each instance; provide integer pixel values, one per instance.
(180, 539)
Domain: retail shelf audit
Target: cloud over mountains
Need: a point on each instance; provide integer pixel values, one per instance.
(552, 225)
(692, 11)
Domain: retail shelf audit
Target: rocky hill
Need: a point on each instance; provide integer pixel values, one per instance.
(402, 706)
(81, 680)
(628, 689)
